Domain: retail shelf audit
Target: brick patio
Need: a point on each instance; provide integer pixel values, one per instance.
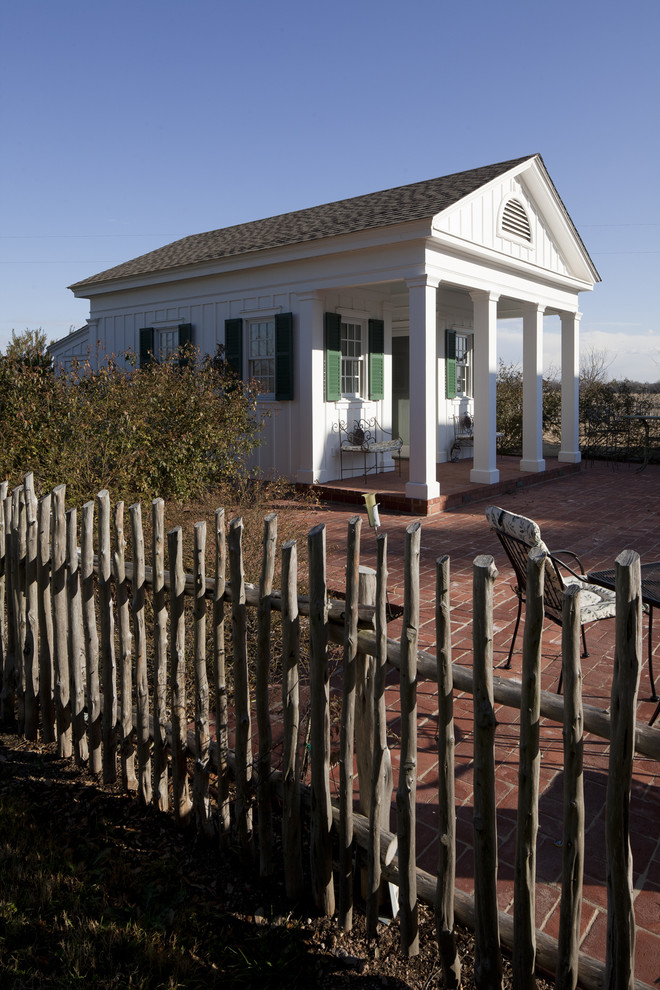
(597, 512)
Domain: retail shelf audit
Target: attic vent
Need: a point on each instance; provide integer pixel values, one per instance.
(515, 220)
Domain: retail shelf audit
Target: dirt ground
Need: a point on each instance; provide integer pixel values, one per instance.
(230, 886)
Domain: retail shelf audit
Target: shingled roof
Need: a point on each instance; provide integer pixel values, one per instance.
(416, 201)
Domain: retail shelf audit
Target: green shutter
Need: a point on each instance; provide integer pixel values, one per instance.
(234, 345)
(146, 346)
(284, 356)
(332, 357)
(376, 359)
(450, 363)
(185, 338)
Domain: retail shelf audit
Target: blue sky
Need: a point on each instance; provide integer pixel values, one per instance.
(129, 124)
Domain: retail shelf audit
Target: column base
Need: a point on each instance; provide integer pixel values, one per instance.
(420, 490)
(535, 465)
(479, 477)
(570, 456)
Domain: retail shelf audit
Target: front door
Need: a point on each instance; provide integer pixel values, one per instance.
(401, 391)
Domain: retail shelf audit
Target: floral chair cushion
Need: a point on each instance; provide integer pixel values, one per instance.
(520, 527)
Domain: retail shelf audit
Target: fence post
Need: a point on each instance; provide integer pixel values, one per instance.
(45, 618)
(291, 825)
(407, 789)
(3, 625)
(241, 689)
(568, 945)
(264, 797)
(108, 671)
(321, 814)
(127, 754)
(524, 922)
(201, 801)
(19, 527)
(60, 631)
(75, 640)
(488, 956)
(94, 735)
(348, 727)
(141, 680)
(381, 776)
(625, 684)
(161, 773)
(31, 614)
(180, 794)
(9, 678)
(221, 716)
(444, 895)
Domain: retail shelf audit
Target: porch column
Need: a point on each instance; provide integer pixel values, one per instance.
(532, 458)
(570, 388)
(484, 305)
(422, 482)
(310, 419)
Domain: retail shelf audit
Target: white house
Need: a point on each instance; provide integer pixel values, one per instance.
(384, 305)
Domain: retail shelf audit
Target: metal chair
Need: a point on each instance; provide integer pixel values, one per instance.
(518, 535)
(463, 435)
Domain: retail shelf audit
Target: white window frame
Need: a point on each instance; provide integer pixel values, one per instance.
(464, 364)
(353, 366)
(261, 363)
(167, 342)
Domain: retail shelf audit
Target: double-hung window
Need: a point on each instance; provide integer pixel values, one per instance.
(352, 359)
(261, 354)
(160, 343)
(458, 364)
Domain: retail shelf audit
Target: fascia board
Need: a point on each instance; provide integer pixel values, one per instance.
(376, 237)
(452, 246)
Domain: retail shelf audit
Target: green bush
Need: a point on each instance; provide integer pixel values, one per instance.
(173, 429)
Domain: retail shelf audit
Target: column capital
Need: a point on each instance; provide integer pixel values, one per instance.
(574, 316)
(483, 295)
(313, 295)
(425, 280)
(532, 307)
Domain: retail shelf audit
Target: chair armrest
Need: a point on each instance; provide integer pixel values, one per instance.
(571, 553)
(561, 563)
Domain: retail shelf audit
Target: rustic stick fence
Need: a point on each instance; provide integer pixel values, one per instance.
(71, 669)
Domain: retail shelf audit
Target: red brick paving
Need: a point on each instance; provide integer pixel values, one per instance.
(597, 512)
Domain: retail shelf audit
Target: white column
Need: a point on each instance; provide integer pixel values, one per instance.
(309, 428)
(532, 454)
(570, 388)
(484, 305)
(422, 482)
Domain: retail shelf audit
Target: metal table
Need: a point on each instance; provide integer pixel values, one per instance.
(650, 574)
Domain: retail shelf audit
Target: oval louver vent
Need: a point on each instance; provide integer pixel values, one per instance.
(515, 220)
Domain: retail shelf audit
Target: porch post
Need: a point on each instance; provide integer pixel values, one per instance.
(532, 458)
(310, 425)
(484, 306)
(422, 482)
(570, 388)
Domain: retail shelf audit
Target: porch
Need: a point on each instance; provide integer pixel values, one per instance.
(456, 489)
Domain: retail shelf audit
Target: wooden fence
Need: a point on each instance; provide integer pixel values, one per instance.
(81, 664)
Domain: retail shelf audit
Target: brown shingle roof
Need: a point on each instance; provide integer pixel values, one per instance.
(379, 209)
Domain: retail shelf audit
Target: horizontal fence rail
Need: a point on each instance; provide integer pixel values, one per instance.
(147, 673)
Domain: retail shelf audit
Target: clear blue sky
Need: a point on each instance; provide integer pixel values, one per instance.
(128, 124)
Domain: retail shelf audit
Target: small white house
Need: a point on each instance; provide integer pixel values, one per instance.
(382, 306)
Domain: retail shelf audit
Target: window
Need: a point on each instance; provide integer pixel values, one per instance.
(261, 353)
(458, 364)
(269, 346)
(159, 345)
(352, 359)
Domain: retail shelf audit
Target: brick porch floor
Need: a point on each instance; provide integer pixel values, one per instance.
(597, 512)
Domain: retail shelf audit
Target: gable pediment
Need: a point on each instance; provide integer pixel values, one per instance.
(520, 215)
